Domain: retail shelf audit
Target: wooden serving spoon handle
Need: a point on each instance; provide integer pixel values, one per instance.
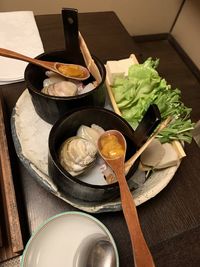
(12, 54)
(112, 147)
(71, 72)
(141, 252)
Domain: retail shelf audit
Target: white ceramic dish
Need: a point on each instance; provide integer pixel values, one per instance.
(55, 243)
(31, 144)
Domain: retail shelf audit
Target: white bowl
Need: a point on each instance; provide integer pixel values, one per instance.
(56, 241)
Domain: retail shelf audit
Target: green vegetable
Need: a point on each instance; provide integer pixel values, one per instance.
(143, 87)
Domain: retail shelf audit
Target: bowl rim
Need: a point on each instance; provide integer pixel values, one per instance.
(38, 92)
(53, 154)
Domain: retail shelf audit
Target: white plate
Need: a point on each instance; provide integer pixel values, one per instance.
(31, 144)
(55, 243)
(19, 33)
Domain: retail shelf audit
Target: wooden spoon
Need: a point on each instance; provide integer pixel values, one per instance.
(73, 71)
(113, 152)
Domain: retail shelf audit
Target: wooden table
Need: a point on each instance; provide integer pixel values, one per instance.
(171, 220)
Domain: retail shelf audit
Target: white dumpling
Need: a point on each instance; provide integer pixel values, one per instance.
(52, 78)
(98, 128)
(65, 88)
(88, 133)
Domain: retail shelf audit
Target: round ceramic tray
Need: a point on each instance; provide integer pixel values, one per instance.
(30, 134)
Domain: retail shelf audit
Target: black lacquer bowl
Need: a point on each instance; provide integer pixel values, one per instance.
(67, 126)
(51, 108)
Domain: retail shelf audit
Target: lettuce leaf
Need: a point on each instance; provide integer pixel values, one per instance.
(144, 86)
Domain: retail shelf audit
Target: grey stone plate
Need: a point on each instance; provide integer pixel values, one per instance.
(30, 135)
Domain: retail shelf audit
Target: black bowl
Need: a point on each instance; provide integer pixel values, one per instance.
(51, 108)
(66, 127)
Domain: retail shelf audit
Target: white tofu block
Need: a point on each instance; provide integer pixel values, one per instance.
(118, 69)
(125, 64)
(114, 71)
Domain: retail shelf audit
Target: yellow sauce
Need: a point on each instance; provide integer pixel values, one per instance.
(110, 147)
(71, 70)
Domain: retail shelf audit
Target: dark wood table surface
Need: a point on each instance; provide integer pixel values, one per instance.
(171, 220)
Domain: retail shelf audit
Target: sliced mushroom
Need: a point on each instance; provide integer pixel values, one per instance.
(153, 154)
(170, 157)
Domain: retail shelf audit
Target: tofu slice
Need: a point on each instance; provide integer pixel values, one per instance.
(125, 64)
(114, 71)
(118, 69)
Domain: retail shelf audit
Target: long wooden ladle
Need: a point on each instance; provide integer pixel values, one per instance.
(142, 255)
(141, 252)
(73, 71)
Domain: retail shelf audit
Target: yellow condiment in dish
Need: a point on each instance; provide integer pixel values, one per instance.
(110, 147)
(71, 70)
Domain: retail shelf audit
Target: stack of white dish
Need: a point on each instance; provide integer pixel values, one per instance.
(18, 32)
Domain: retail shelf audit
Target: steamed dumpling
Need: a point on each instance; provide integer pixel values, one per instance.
(89, 133)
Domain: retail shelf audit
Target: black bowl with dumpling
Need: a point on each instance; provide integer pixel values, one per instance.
(50, 108)
(64, 132)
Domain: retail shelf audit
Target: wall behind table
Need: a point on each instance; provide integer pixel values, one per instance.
(138, 16)
(187, 30)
